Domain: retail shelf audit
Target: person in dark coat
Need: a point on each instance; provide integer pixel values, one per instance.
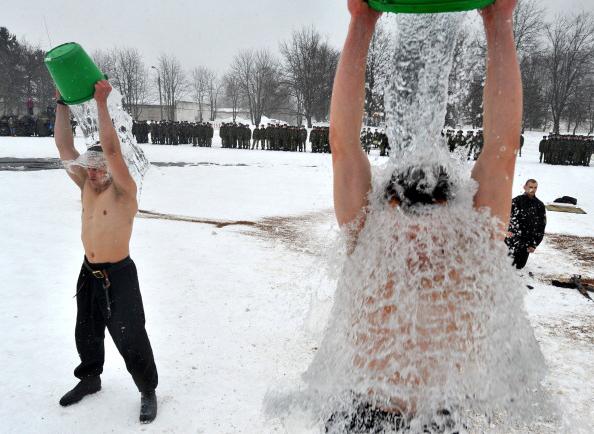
(527, 224)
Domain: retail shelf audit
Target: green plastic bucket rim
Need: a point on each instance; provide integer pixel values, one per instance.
(427, 6)
(50, 57)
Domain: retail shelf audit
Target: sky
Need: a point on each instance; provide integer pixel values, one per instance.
(198, 33)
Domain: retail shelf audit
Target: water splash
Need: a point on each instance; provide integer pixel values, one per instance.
(428, 320)
(416, 94)
(88, 121)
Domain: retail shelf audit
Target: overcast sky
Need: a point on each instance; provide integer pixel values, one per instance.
(198, 32)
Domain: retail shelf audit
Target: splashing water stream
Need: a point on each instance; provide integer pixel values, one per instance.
(88, 120)
(428, 318)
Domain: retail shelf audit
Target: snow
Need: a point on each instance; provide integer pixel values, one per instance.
(230, 311)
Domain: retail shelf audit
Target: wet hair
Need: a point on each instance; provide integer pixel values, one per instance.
(419, 186)
(531, 181)
(93, 158)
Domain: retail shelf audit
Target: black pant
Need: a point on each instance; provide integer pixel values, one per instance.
(520, 255)
(114, 303)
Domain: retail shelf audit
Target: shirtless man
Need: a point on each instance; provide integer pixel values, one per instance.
(108, 293)
(494, 169)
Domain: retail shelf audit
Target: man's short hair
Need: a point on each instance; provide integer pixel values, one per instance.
(419, 186)
(93, 158)
(531, 181)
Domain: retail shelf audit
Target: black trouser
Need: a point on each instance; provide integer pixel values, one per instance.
(108, 295)
(520, 255)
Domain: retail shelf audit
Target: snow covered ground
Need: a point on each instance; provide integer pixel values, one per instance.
(234, 310)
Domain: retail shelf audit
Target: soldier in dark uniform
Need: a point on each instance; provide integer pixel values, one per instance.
(302, 139)
(542, 146)
(312, 139)
(43, 126)
(326, 140)
(527, 224)
(223, 134)
(255, 137)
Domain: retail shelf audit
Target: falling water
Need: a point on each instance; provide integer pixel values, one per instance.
(428, 318)
(88, 120)
(416, 94)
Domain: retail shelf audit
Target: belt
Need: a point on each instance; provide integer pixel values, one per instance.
(103, 274)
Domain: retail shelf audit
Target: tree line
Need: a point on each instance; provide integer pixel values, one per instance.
(24, 80)
(557, 65)
(297, 83)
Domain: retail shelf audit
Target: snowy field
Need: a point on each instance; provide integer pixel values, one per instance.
(232, 310)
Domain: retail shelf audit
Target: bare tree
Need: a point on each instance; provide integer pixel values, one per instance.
(105, 61)
(528, 25)
(199, 85)
(259, 78)
(173, 81)
(590, 107)
(213, 90)
(465, 82)
(579, 102)
(570, 58)
(376, 71)
(309, 64)
(534, 77)
(232, 92)
(130, 77)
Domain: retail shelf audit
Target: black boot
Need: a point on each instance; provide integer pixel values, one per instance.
(86, 386)
(148, 407)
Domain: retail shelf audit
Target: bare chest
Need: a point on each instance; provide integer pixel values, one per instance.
(106, 209)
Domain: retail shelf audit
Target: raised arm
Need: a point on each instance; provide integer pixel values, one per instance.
(65, 143)
(502, 113)
(352, 172)
(110, 143)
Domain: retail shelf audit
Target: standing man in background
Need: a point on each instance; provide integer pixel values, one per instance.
(527, 224)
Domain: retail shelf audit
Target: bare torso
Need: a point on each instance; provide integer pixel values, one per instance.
(107, 220)
(389, 335)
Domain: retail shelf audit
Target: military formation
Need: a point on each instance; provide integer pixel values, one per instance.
(319, 139)
(470, 144)
(568, 150)
(27, 126)
(574, 150)
(174, 133)
(235, 135)
(375, 140)
(270, 138)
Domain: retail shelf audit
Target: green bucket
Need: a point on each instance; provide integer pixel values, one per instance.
(74, 72)
(427, 6)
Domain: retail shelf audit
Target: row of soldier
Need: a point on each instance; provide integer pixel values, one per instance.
(270, 137)
(375, 139)
(469, 144)
(174, 133)
(320, 140)
(27, 126)
(572, 150)
(554, 149)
